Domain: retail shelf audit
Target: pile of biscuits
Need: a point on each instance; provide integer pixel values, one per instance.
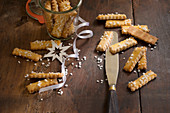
(138, 56)
(59, 25)
(49, 78)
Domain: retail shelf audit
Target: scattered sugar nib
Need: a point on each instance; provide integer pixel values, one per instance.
(99, 60)
(66, 85)
(72, 63)
(84, 58)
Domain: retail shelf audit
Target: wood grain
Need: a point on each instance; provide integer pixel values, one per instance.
(83, 94)
(155, 97)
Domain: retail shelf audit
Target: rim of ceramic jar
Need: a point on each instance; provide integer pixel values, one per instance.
(63, 12)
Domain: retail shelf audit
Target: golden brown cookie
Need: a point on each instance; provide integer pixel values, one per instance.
(26, 54)
(34, 87)
(54, 5)
(111, 17)
(142, 80)
(46, 75)
(141, 27)
(133, 59)
(68, 28)
(48, 16)
(142, 64)
(42, 44)
(123, 45)
(142, 35)
(118, 23)
(105, 41)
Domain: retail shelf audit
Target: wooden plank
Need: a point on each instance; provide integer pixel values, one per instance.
(83, 95)
(155, 97)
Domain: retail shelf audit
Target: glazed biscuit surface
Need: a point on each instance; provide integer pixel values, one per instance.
(123, 45)
(142, 35)
(26, 54)
(42, 44)
(141, 27)
(46, 75)
(111, 17)
(105, 41)
(142, 64)
(118, 23)
(142, 80)
(133, 59)
(34, 87)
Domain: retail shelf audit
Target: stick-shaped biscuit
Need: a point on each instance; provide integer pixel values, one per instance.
(34, 87)
(39, 45)
(64, 5)
(133, 59)
(54, 5)
(123, 45)
(111, 17)
(68, 28)
(142, 35)
(46, 75)
(118, 23)
(142, 64)
(71, 30)
(61, 19)
(105, 41)
(142, 80)
(26, 54)
(141, 27)
(48, 16)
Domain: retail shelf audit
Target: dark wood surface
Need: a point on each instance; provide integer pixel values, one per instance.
(83, 94)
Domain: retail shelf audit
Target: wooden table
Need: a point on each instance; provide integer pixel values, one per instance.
(83, 94)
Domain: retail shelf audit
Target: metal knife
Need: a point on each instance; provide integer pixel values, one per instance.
(112, 69)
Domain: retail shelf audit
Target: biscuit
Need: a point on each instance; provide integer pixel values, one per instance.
(68, 27)
(45, 75)
(42, 44)
(133, 59)
(64, 5)
(123, 45)
(142, 35)
(48, 16)
(60, 21)
(142, 80)
(111, 17)
(54, 5)
(118, 23)
(34, 87)
(105, 41)
(141, 27)
(26, 54)
(142, 64)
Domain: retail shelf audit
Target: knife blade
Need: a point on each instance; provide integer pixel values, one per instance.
(112, 69)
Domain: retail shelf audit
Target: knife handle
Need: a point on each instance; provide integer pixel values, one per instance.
(113, 101)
